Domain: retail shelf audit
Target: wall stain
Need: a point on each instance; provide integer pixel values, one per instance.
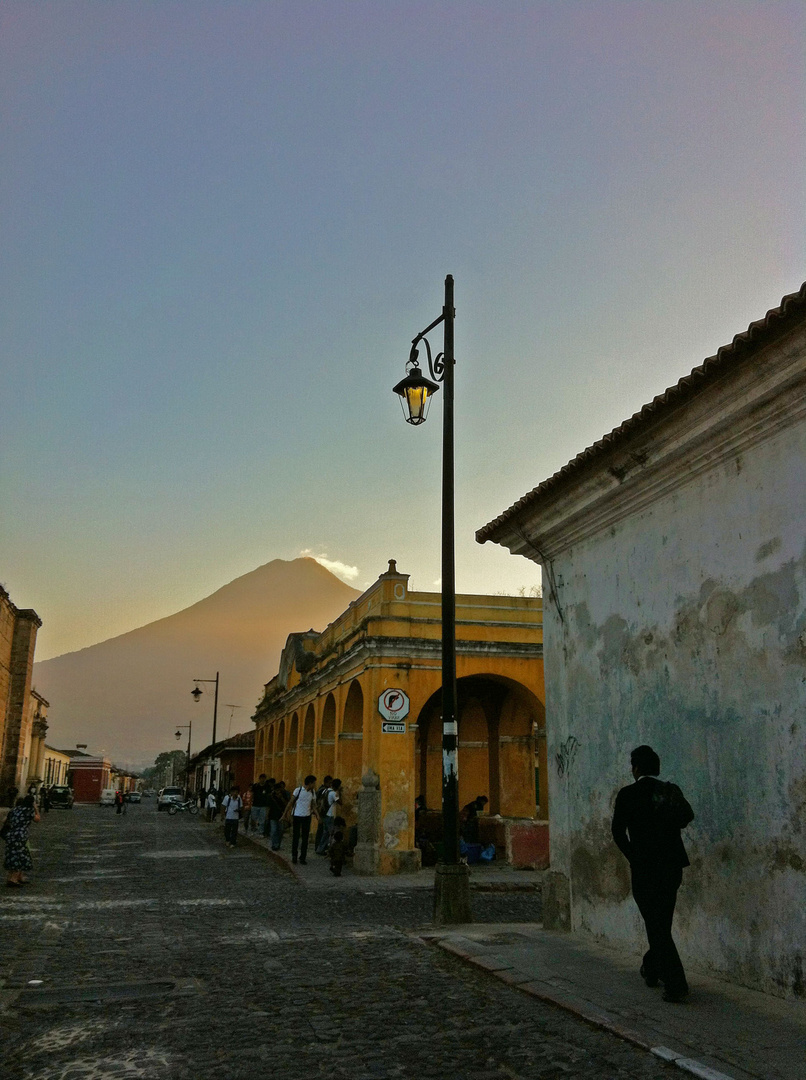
(598, 869)
(765, 550)
(718, 688)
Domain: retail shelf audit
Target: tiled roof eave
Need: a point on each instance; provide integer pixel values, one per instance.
(758, 334)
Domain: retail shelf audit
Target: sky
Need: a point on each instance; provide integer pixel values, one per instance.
(222, 223)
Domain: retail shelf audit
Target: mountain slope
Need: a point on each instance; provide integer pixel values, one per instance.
(125, 696)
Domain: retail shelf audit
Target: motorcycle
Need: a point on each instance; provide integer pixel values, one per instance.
(190, 806)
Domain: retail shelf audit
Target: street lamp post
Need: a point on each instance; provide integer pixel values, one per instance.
(451, 881)
(189, 726)
(197, 693)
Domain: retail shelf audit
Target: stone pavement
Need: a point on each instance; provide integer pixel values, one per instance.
(723, 1030)
(146, 950)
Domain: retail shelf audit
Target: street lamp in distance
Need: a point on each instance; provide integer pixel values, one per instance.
(196, 693)
(189, 726)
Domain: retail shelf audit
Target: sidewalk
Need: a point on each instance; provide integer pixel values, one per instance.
(491, 877)
(722, 1031)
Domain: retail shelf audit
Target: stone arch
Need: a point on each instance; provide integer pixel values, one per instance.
(326, 743)
(269, 760)
(279, 752)
(497, 720)
(349, 760)
(291, 750)
(305, 751)
(260, 739)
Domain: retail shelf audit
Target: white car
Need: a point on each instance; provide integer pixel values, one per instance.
(133, 796)
(169, 795)
(107, 797)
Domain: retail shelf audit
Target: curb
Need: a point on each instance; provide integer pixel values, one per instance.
(280, 861)
(502, 971)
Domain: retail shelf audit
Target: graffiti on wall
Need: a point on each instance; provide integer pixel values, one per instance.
(565, 758)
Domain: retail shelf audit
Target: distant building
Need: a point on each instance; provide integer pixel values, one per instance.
(361, 701)
(123, 779)
(89, 775)
(237, 758)
(674, 557)
(231, 761)
(56, 765)
(22, 711)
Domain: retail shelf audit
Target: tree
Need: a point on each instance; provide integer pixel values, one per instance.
(168, 768)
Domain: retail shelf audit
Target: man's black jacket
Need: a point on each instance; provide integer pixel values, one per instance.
(647, 821)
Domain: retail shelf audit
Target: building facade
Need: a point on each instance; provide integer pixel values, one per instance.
(19, 707)
(56, 766)
(89, 775)
(675, 558)
(361, 701)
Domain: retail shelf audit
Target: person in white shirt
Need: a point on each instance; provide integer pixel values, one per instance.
(232, 805)
(333, 800)
(211, 805)
(303, 807)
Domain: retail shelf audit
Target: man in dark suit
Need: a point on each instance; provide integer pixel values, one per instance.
(647, 820)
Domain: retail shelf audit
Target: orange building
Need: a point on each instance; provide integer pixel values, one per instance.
(361, 701)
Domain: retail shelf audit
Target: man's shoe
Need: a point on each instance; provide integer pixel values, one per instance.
(651, 980)
(303, 862)
(675, 996)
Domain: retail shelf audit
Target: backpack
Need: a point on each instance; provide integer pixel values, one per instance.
(670, 806)
(322, 805)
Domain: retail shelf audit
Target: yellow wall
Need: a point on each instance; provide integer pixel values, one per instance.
(326, 719)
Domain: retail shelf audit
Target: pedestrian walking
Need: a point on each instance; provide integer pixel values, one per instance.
(232, 805)
(276, 809)
(260, 803)
(301, 809)
(120, 803)
(321, 806)
(247, 808)
(211, 805)
(332, 801)
(337, 851)
(647, 820)
(15, 833)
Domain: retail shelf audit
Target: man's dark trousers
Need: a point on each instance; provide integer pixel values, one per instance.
(655, 893)
(649, 836)
(301, 828)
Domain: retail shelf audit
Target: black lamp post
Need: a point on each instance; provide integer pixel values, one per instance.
(451, 882)
(187, 763)
(197, 693)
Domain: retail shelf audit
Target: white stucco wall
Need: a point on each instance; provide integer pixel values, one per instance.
(684, 626)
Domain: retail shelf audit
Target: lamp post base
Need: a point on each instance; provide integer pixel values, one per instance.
(451, 894)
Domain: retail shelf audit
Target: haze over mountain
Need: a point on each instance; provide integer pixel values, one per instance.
(125, 696)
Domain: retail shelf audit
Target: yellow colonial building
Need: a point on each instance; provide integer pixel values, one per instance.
(361, 701)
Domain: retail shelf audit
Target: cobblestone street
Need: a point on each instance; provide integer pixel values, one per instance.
(144, 948)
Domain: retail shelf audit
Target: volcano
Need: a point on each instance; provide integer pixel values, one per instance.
(125, 696)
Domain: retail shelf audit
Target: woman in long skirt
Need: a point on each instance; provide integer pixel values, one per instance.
(18, 856)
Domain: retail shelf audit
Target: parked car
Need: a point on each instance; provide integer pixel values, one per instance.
(61, 795)
(169, 795)
(107, 797)
(133, 796)
(149, 793)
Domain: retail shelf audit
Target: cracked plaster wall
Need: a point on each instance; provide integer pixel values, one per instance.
(685, 627)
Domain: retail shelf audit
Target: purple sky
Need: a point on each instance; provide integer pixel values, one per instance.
(222, 223)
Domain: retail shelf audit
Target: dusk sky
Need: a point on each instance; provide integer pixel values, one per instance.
(223, 222)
